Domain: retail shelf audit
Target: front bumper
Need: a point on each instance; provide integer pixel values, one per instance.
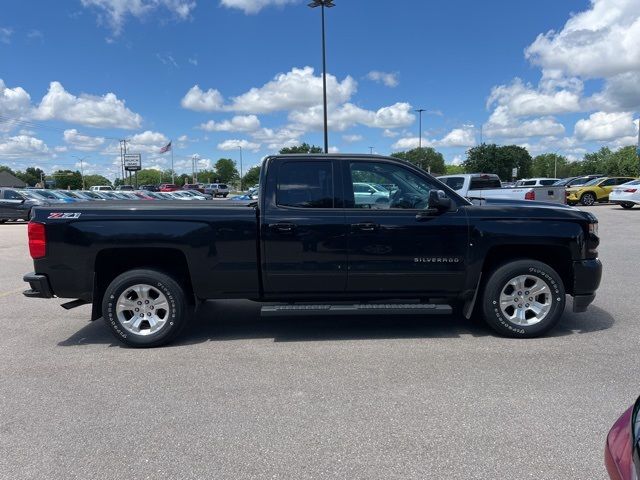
(586, 280)
(39, 284)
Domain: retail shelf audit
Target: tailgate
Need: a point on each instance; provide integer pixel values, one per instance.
(551, 194)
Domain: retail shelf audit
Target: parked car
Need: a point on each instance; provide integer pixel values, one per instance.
(596, 190)
(217, 189)
(149, 188)
(307, 248)
(488, 186)
(15, 204)
(125, 188)
(198, 195)
(169, 187)
(576, 181)
(198, 187)
(621, 450)
(50, 196)
(626, 195)
(101, 188)
(536, 182)
(371, 195)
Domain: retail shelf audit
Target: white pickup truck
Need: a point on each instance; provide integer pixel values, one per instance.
(488, 186)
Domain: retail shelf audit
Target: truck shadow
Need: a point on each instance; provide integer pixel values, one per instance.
(237, 320)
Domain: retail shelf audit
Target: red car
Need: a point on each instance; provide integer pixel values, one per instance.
(169, 187)
(194, 186)
(621, 452)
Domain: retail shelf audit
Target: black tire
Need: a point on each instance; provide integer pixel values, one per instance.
(2, 220)
(498, 283)
(176, 315)
(225, 195)
(587, 199)
(627, 206)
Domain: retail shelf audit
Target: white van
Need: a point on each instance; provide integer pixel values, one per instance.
(100, 188)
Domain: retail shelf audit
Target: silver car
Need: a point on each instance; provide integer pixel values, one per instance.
(217, 189)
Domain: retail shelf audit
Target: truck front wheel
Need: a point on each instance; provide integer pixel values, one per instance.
(144, 308)
(523, 299)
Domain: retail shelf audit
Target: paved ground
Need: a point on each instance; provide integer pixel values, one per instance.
(241, 397)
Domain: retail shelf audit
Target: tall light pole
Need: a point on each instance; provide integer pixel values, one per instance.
(420, 110)
(322, 4)
(240, 147)
(81, 159)
(371, 150)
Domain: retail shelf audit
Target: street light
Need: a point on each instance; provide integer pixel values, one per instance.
(81, 168)
(420, 110)
(323, 4)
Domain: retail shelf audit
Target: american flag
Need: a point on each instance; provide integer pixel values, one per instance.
(166, 148)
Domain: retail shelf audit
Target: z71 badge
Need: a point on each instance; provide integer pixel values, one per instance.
(63, 215)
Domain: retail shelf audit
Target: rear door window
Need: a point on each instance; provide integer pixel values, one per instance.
(305, 184)
(455, 183)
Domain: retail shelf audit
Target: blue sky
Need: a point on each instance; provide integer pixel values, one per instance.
(212, 75)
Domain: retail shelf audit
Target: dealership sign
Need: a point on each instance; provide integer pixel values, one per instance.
(132, 161)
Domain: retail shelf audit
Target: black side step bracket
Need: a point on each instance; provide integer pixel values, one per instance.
(73, 304)
(356, 309)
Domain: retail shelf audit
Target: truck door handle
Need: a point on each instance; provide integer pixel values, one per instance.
(282, 227)
(365, 227)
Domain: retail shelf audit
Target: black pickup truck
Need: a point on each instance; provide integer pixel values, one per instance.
(324, 237)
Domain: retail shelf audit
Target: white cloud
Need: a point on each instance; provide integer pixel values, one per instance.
(458, 137)
(147, 142)
(198, 100)
(15, 104)
(239, 123)
(334, 150)
(352, 138)
(602, 126)
(183, 138)
(409, 143)
(390, 133)
(347, 115)
(105, 112)
(254, 6)
(457, 160)
(599, 42)
(5, 35)
(388, 79)
(23, 146)
(235, 144)
(82, 142)
(115, 12)
(296, 89)
(278, 138)
(523, 100)
(502, 125)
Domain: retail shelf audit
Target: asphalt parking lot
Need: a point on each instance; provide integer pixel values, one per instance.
(379, 398)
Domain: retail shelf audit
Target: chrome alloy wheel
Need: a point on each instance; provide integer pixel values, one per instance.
(525, 300)
(142, 309)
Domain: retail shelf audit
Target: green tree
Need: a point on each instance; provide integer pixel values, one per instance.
(251, 177)
(426, 158)
(624, 162)
(453, 169)
(304, 148)
(30, 176)
(66, 179)
(226, 171)
(150, 176)
(93, 180)
(550, 165)
(500, 160)
(207, 176)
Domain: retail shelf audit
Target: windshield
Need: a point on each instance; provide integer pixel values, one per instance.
(46, 194)
(592, 182)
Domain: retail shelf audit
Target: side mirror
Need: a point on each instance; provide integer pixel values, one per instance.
(439, 201)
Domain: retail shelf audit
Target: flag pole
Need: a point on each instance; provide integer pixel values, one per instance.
(173, 172)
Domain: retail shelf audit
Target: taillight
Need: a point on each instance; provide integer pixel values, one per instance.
(37, 240)
(530, 195)
(630, 190)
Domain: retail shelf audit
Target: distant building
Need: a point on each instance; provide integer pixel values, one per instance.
(8, 180)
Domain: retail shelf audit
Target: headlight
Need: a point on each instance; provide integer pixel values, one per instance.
(593, 228)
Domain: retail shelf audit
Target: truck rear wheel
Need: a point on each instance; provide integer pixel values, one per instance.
(523, 299)
(144, 308)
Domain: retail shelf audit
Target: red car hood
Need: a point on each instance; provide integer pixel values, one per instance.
(618, 454)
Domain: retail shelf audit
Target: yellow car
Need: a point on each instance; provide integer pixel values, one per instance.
(596, 190)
